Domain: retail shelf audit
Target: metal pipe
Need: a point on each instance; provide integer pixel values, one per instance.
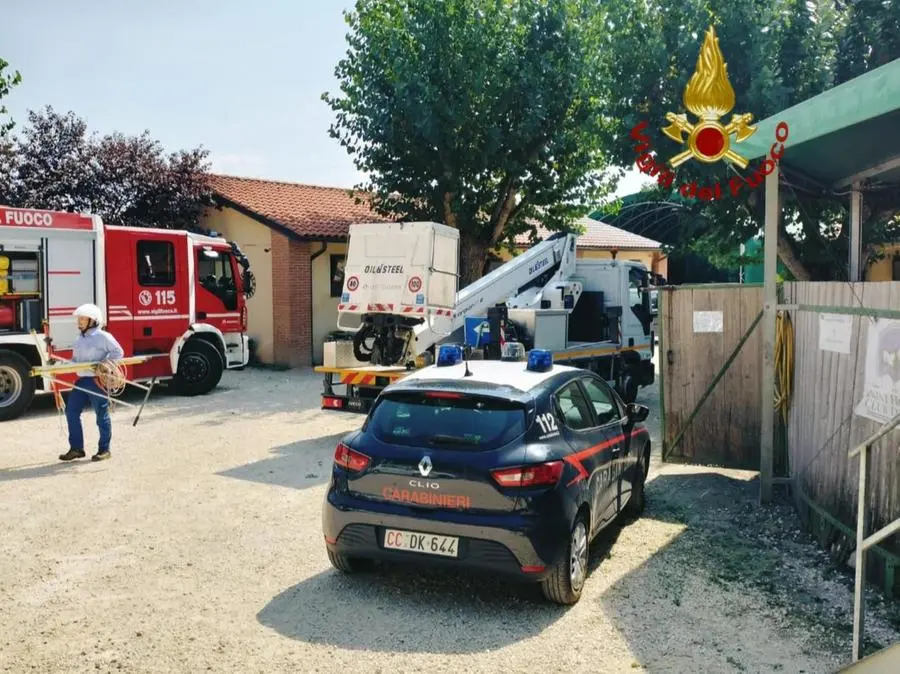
(146, 397)
(855, 233)
(860, 580)
(95, 394)
(875, 437)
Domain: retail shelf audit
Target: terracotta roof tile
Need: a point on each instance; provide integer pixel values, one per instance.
(600, 235)
(306, 210)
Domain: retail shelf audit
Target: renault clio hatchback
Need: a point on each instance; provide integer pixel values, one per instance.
(510, 467)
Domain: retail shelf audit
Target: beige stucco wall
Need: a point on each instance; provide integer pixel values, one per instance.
(255, 240)
(882, 270)
(324, 306)
(646, 257)
(652, 260)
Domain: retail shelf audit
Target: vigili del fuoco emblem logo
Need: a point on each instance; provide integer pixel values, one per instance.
(709, 96)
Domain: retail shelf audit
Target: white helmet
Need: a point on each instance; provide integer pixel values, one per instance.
(91, 311)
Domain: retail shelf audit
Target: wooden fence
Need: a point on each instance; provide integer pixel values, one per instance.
(846, 368)
(710, 374)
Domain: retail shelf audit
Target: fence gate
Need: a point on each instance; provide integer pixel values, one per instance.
(710, 365)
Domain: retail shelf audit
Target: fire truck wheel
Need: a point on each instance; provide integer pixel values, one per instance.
(16, 385)
(199, 368)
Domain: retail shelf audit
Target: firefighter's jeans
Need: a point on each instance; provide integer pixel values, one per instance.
(74, 406)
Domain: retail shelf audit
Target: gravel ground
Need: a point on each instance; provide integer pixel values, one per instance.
(198, 547)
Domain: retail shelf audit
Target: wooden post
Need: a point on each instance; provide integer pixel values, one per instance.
(855, 233)
(770, 300)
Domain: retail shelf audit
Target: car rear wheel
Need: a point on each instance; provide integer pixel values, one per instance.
(638, 501)
(566, 579)
(346, 564)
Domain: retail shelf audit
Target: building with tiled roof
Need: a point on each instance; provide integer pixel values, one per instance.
(295, 237)
(599, 235)
(602, 241)
(308, 212)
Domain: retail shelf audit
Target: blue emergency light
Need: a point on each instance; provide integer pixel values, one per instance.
(539, 360)
(449, 354)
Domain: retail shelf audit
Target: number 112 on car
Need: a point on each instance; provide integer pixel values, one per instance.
(547, 422)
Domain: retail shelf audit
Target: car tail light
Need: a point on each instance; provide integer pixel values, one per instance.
(349, 458)
(538, 475)
(329, 403)
(244, 317)
(449, 395)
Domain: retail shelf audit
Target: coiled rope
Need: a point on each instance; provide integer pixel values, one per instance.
(784, 363)
(110, 377)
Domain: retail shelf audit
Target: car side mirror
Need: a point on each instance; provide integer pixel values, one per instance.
(637, 413)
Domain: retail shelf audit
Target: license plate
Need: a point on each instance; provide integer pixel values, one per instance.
(429, 544)
(355, 404)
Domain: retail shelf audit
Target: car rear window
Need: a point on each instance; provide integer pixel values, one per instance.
(467, 422)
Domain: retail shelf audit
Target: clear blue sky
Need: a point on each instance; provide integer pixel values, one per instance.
(243, 78)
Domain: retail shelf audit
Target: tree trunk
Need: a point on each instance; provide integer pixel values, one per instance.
(472, 257)
(785, 250)
(790, 259)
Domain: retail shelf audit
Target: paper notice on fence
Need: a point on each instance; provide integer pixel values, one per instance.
(835, 331)
(881, 393)
(707, 321)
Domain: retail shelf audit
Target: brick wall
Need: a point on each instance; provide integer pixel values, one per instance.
(291, 301)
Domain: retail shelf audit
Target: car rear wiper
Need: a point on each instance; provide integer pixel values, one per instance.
(452, 440)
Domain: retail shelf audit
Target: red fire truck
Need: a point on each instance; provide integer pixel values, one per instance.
(173, 294)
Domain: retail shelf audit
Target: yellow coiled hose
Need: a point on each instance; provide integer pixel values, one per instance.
(784, 363)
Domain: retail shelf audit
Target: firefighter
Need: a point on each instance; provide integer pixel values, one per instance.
(93, 345)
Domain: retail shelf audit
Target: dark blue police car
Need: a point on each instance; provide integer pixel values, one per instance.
(509, 467)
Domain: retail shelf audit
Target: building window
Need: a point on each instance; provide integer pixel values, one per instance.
(895, 268)
(337, 274)
(156, 263)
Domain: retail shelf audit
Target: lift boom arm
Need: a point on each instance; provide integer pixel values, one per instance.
(520, 282)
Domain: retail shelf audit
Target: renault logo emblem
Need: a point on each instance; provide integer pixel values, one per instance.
(425, 466)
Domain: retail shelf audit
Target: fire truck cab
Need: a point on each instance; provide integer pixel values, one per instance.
(175, 295)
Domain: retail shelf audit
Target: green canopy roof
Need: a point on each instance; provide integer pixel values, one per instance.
(848, 133)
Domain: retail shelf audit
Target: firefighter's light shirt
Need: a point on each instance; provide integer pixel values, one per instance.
(95, 345)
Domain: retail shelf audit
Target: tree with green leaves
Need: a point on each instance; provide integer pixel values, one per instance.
(55, 163)
(779, 53)
(7, 82)
(481, 114)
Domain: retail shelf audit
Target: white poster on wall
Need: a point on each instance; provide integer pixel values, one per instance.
(835, 332)
(881, 393)
(708, 321)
